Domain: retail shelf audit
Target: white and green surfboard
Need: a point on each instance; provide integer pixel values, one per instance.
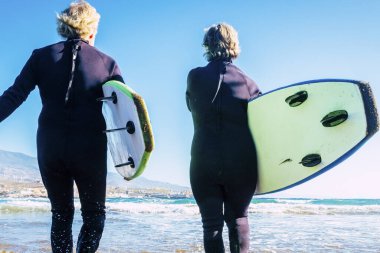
(305, 129)
(129, 132)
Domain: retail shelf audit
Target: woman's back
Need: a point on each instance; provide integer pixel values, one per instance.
(52, 67)
(220, 125)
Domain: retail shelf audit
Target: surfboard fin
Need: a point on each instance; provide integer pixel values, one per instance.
(130, 127)
(112, 98)
(334, 118)
(129, 163)
(297, 98)
(286, 161)
(311, 160)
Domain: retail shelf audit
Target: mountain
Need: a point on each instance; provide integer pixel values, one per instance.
(115, 180)
(19, 168)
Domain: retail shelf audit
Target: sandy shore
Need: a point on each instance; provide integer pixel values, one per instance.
(6, 248)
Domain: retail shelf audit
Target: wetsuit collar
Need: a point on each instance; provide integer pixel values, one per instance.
(76, 40)
(225, 60)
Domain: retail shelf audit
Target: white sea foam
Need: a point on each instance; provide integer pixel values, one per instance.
(23, 205)
(313, 209)
(294, 201)
(280, 207)
(153, 208)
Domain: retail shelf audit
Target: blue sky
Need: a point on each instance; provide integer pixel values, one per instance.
(156, 43)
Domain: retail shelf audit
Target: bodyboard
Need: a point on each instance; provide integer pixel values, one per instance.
(129, 131)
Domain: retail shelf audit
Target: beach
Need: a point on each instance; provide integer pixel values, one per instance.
(142, 224)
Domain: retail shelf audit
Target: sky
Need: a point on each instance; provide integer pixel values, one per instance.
(156, 43)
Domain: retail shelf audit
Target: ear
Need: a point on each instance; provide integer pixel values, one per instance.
(91, 39)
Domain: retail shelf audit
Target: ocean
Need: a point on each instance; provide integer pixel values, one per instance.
(150, 225)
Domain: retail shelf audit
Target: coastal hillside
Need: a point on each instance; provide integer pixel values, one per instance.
(19, 172)
(115, 180)
(18, 167)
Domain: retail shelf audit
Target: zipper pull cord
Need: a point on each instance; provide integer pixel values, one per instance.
(221, 78)
(75, 53)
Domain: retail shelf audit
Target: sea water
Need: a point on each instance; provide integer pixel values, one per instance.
(173, 225)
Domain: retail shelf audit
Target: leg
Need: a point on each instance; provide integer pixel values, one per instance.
(92, 190)
(59, 186)
(238, 233)
(89, 167)
(209, 197)
(212, 219)
(239, 192)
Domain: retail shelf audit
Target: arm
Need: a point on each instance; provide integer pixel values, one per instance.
(188, 100)
(116, 73)
(15, 95)
(254, 90)
(188, 93)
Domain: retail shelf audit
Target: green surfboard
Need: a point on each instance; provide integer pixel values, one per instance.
(305, 129)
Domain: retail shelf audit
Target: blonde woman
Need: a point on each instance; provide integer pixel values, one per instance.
(71, 145)
(223, 156)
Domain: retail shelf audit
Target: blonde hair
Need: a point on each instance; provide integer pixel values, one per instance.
(79, 20)
(221, 42)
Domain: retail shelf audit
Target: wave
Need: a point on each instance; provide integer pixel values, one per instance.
(188, 206)
(154, 208)
(312, 209)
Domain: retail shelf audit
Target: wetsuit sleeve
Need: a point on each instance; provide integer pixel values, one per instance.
(116, 73)
(188, 100)
(188, 89)
(15, 95)
(254, 90)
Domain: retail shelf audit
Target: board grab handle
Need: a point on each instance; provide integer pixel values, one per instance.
(112, 98)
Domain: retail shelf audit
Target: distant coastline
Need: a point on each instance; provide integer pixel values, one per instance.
(20, 178)
(9, 189)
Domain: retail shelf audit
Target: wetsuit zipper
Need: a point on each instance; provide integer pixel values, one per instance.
(68, 108)
(222, 71)
(75, 50)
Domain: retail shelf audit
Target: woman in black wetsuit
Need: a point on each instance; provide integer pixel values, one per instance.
(223, 157)
(71, 145)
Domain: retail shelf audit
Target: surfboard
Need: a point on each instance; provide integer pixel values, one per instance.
(129, 132)
(303, 130)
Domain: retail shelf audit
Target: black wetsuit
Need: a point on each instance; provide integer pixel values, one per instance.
(223, 156)
(71, 145)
